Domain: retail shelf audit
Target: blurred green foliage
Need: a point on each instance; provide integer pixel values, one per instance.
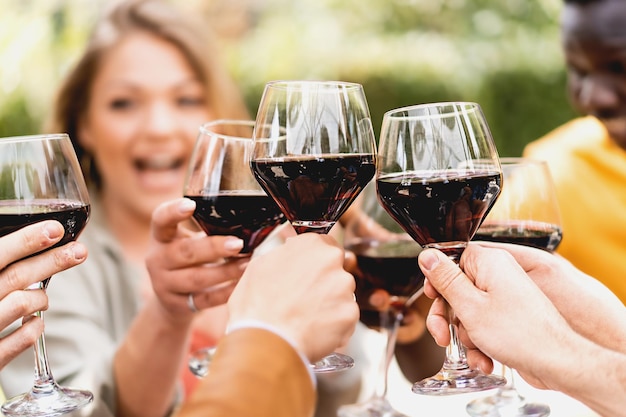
(504, 55)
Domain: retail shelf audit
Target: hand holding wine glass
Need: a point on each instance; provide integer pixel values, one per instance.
(438, 175)
(314, 151)
(526, 213)
(386, 261)
(21, 257)
(229, 200)
(40, 179)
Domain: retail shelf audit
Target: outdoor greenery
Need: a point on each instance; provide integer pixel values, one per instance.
(502, 54)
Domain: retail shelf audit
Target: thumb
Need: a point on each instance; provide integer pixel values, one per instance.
(446, 276)
(165, 218)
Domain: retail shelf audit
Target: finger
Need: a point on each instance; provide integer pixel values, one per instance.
(215, 296)
(167, 216)
(447, 278)
(380, 300)
(478, 360)
(437, 322)
(285, 231)
(198, 279)
(18, 341)
(200, 249)
(22, 274)
(350, 263)
(21, 303)
(351, 313)
(430, 291)
(527, 257)
(28, 240)
(209, 276)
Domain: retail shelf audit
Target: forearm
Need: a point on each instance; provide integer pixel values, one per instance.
(148, 363)
(595, 302)
(590, 373)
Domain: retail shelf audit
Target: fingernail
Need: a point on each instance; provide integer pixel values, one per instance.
(53, 232)
(428, 260)
(186, 205)
(79, 252)
(233, 243)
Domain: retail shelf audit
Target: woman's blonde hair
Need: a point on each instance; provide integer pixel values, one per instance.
(158, 18)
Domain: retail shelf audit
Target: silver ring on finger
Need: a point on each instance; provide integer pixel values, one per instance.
(191, 304)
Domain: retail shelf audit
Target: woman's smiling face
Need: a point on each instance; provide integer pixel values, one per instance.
(146, 105)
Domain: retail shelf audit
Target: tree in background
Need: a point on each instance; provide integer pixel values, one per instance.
(505, 55)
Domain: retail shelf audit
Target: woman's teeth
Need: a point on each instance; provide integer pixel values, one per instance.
(164, 163)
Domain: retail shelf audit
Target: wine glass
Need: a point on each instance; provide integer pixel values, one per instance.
(438, 175)
(526, 213)
(229, 200)
(314, 151)
(40, 179)
(386, 260)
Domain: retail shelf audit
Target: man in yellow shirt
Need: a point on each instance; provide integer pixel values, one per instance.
(587, 156)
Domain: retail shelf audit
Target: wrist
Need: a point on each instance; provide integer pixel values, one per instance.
(165, 317)
(580, 364)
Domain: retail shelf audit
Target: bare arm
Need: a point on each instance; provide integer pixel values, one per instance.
(150, 359)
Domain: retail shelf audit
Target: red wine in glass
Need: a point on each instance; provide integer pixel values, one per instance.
(387, 265)
(541, 235)
(438, 176)
(439, 207)
(526, 213)
(314, 152)
(73, 215)
(314, 191)
(42, 180)
(249, 215)
(229, 200)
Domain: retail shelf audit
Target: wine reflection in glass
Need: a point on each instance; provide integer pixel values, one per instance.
(526, 213)
(438, 175)
(314, 151)
(386, 260)
(229, 200)
(40, 179)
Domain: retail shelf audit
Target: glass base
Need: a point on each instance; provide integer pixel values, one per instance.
(333, 363)
(375, 407)
(507, 403)
(200, 360)
(48, 403)
(450, 382)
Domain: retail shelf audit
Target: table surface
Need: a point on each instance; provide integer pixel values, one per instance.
(415, 405)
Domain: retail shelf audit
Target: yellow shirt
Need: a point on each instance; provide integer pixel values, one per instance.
(589, 171)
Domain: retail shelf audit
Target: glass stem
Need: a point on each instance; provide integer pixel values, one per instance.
(456, 358)
(389, 323)
(44, 382)
(509, 388)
